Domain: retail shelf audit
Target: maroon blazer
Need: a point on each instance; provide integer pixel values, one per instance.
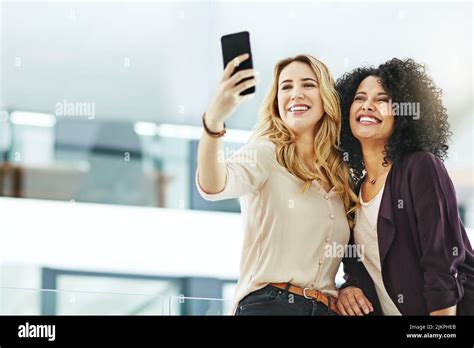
(427, 260)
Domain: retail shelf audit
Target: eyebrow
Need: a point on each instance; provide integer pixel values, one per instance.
(381, 93)
(305, 79)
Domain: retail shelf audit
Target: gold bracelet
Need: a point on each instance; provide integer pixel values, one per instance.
(211, 133)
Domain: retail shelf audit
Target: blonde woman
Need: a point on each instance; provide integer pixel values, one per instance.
(293, 188)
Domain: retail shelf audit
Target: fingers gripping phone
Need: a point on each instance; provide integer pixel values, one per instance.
(234, 45)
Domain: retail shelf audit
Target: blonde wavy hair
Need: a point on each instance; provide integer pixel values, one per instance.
(327, 155)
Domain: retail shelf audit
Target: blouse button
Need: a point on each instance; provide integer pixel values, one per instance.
(321, 262)
(328, 239)
(331, 216)
(326, 197)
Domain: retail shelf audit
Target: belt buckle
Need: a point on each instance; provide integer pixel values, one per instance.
(306, 296)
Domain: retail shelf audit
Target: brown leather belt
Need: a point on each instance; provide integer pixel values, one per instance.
(309, 294)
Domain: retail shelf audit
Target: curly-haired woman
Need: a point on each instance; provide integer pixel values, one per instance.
(293, 187)
(417, 258)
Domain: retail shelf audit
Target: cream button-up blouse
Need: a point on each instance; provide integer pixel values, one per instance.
(290, 236)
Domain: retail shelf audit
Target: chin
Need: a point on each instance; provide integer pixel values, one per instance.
(363, 135)
(300, 128)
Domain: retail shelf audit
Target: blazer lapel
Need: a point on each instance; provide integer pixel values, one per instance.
(385, 224)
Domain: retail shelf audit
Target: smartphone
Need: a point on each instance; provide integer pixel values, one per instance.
(234, 45)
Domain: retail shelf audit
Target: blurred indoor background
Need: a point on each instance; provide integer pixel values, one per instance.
(100, 111)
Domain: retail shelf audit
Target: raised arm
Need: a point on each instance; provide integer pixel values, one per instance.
(211, 171)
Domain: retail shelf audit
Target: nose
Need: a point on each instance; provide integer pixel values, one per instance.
(368, 105)
(296, 94)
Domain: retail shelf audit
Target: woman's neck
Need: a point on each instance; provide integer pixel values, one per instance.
(305, 148)
(373, 154)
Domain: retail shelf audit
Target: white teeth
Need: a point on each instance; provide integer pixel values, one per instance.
(368, 119)
(299, 108)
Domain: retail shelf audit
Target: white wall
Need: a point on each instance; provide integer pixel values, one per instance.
(126, 239)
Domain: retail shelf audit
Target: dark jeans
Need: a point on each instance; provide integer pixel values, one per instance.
(274, 301)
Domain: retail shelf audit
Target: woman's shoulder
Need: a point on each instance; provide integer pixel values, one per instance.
(423, 163)
(421, 160)
(261, 147)
(262, 143)
(256, 151)
(419, 157)
(264, 150)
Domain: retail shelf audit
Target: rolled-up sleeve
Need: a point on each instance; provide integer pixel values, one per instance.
(439, 230)
(246, 171)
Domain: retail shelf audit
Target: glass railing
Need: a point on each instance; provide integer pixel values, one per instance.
(24, 301)
(197, 306)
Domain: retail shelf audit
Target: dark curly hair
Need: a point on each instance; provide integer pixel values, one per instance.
(406, 81)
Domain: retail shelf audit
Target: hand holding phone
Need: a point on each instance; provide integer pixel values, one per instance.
(237, 85)
(234, 45)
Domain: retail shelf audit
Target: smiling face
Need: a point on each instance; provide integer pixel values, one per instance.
(299, 100)
(371, 113)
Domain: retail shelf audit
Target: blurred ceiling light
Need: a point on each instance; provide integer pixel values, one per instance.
(195, 133)
(179, 131)
(167, 130)
(145, 128)
(26, 118)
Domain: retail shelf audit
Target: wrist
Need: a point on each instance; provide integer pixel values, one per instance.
(213, 124)
(215, 129)
(347, 288)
